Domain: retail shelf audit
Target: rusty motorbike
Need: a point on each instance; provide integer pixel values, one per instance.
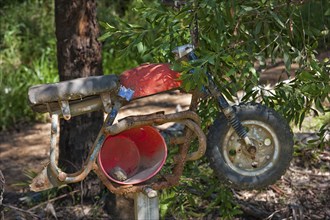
(248, 146)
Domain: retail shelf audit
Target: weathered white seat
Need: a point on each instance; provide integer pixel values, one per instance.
(74, 91)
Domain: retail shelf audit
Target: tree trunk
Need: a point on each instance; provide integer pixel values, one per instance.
(79, 55)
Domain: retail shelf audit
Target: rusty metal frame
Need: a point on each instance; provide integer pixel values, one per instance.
(53, 176)
(188, 118)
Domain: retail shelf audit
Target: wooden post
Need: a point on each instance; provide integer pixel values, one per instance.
(146, 205)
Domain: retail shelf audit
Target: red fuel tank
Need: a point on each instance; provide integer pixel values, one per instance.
(149, 79)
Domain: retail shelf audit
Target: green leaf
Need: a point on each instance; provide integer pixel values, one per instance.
(106, 25)
(104, 36)
(327, 13)
(228, 95)
(287, 61)
(253, 71)
(176, 67)
(257, 28)
(231, 72)
(247, 8)
(305, 76)
(187, 85)
(318, 105)
(315, 65)
(277, 19)
(211, 60)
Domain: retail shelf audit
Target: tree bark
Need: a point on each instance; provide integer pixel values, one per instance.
(79, 55)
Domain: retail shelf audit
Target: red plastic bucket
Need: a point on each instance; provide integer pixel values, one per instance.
(137, 154)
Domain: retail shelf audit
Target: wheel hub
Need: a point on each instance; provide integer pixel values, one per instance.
(251, 159)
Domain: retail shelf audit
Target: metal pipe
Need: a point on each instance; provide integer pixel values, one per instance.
(201, 139)
(152, 119)
(80, 175)
(53, 146)
(52, 175)
(168, 180)
(187, 118)
(90, 105)
(177, 140)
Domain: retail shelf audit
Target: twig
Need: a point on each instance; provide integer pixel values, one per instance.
(277, 189)
(309, 173)
(22, 210)
(271, 216)
(82, 198)
(294, 209)
(54, 199)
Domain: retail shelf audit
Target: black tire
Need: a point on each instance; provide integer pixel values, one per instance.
(231, 161)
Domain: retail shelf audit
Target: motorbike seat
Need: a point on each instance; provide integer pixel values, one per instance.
(71, 90)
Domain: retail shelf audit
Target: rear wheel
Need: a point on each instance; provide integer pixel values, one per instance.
(238, 164)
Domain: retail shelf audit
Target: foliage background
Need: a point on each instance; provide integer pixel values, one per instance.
(237, 41)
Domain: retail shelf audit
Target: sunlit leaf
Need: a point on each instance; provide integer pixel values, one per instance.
(305, 76)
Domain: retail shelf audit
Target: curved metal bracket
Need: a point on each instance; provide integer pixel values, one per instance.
(65, 107)
(52, 176)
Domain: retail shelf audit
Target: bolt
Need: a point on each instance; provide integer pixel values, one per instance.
(150, 192)
(252, 150)
(67, 117)
(267, 142)
(39, 183)
(232, 138)
(62, 176)
(118, 173)
(240, 165)
(267, 157)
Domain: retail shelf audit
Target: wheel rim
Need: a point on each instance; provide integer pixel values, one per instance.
(237, 155)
